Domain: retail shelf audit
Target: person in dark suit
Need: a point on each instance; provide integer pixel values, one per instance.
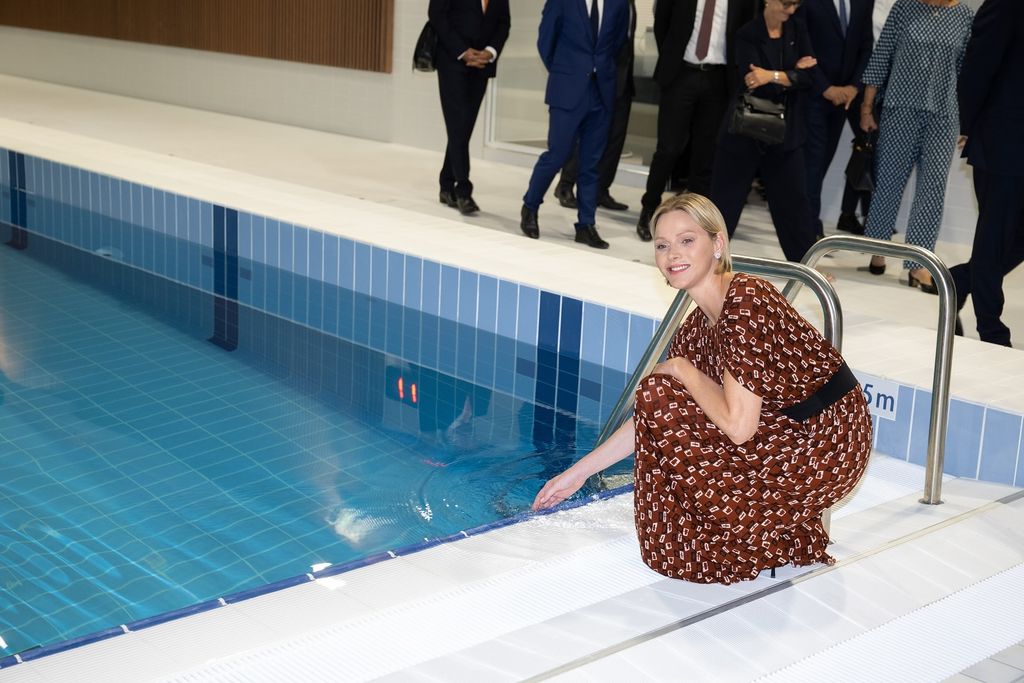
(840, 32)
(694, 72)
(780, 60)
(578, 41)
(625, 90)
(991, 116)
(471, 34)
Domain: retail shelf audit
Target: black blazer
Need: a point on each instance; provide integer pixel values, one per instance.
(624, 85)
(841, 61)
(990, 87)
(673, 26)
(755, 46)
(462, 24)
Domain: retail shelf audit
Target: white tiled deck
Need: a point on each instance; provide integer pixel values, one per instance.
(563, 595)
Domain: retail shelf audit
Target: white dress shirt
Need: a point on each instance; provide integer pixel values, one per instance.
(716, 46)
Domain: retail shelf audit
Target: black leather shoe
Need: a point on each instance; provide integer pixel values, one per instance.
(606, 201)
(565, 196)
(447, 197)
(849, 223)
(467, 206)
(528, 223)
(643, 226)
(587, 234)
(876, 270)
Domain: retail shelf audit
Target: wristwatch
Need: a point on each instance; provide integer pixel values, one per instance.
(775, 76)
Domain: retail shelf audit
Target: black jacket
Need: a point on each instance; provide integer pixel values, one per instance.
(462, 24)
(755, 46)
(673, 25)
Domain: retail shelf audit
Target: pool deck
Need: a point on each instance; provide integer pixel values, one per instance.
(562, 595)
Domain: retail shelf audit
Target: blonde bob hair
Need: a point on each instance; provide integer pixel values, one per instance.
(705, 214)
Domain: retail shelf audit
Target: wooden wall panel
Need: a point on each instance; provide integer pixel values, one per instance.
(354, 34)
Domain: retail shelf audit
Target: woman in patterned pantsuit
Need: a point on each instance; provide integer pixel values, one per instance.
(914, 66)
(746, 434)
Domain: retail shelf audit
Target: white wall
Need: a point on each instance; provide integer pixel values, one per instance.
(399, 107)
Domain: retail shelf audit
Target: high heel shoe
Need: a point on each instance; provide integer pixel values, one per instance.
(876, 270)
(926, 287)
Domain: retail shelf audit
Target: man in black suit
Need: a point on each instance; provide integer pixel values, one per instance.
(694, 71)
(471, 34)
(992, 118)
(609, 164)
(840, 32)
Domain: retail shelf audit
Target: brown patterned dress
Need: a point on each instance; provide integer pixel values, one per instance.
(711, 511)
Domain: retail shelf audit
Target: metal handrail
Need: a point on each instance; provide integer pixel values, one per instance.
(832, 327)
(943, 342)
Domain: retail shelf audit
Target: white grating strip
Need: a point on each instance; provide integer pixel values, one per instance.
(929, 644)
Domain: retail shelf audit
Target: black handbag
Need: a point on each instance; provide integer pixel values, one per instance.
(424, 55)
(860, 169)
(760, 119)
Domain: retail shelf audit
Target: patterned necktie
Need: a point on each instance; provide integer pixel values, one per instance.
(595, 19)
(704, 33)
(844, 22)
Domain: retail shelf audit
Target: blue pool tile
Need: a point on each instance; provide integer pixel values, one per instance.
(330, 259)
(431, 294)
(592, 342)
(919, 426)
(486, 364)
(271, 231)
(465, 352)
(616, 338)
(963, 440)
(330, 309)
(361, 319)
(206, 224)
(244, 235)
(447, 342)
(487, 303)
(315, 303)
(412, 282)
(300, 254)
(892, 437)
(286, 243)
(411, 333)
(378, 272)
(999, 447)
(316, 255)
(508, 308)
(548, 320)
(346, 264)
(641, 329)
(195, 221)
(393, 331)
(504, 370)
(362, 268)
(467, 297)
(449, 292)
(528, 315)
(430, 327)
(570, 328)
(396, 275)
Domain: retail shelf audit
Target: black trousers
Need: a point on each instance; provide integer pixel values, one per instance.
(824, 127)
(737, 160)
(998, 249)
(462, 92)
(689, 111)
(609, 163)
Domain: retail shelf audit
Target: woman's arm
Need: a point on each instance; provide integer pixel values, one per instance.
(867, 110)
(733, 408)
(618, 446)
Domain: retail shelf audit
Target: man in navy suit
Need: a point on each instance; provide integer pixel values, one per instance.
(992, 118)
(471, 34)
(578, 42)
(841, 36)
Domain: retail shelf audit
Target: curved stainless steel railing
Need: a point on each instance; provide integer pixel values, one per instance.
(943, 341)
(832, 327)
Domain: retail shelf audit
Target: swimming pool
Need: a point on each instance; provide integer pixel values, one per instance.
(163, 446)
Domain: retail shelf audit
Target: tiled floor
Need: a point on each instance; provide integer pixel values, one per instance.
(376, 192)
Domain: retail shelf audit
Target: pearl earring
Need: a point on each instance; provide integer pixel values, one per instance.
(718, 255)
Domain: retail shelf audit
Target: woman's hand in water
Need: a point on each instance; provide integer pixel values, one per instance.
(558, 489)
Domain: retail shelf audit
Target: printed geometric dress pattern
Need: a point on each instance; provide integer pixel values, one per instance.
(711, 511)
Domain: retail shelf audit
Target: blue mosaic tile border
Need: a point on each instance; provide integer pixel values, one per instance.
(569, 354)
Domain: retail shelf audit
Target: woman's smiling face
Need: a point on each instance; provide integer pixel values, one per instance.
(683, 251)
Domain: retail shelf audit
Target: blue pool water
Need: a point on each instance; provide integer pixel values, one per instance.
(151, 459)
